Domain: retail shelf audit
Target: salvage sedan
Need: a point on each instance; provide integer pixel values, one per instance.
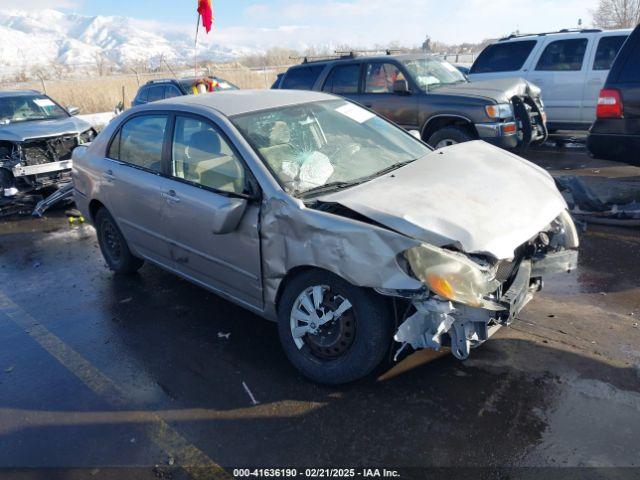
(37, 137)
(318, 214)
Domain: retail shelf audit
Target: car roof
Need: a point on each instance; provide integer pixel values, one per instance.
(586, 32)
(18, 93)
(236, 102)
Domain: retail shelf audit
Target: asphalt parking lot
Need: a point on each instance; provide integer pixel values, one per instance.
(153, 374)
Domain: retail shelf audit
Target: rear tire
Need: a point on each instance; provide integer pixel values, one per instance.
(344, 349)
(448, 136)
(114, 246)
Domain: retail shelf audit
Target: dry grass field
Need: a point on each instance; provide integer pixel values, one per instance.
(102, 94)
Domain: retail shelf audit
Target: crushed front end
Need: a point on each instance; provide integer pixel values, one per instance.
(36, 163)
(467, 298)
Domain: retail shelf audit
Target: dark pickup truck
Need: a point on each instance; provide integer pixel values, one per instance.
(428, 94)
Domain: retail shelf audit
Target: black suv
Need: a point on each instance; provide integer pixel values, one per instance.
(155, 90)
(428, 94)
(615, 134)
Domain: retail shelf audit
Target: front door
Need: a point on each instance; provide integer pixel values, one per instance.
(133, 185)
(207, 183)
(378, 95)
(560, 72)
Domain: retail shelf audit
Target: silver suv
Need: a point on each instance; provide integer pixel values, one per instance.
(316, 213)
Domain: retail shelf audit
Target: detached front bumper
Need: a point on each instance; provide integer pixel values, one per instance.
(29, 170)
(439, 323)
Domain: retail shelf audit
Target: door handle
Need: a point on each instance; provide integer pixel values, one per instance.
(171, 197)
(108, 175)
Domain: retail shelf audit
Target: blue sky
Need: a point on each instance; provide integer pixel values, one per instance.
(300, 23)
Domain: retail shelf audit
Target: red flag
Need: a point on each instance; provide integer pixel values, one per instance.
(205, 9)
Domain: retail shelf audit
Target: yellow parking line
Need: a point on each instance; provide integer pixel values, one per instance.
(188, 456)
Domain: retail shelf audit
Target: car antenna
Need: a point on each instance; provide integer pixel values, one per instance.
(170, 69)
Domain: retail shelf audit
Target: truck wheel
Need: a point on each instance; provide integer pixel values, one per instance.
(448, 136)
(113, 245)
(332, 331)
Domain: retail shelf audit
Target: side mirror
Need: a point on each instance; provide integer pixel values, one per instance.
(73, 110)
(400, 87)
(226, 217)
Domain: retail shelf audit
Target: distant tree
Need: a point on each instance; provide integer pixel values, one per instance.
(612, 14)
(426, 45)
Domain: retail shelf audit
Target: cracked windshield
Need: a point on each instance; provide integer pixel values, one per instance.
(430, 73)
(28, 108)
(328, 144)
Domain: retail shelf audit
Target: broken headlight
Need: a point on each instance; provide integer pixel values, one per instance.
(451, 275)
(87, 137)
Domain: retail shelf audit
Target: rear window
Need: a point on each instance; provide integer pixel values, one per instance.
(608, 48)
(563, 56)
(302, 78)
(503, 57)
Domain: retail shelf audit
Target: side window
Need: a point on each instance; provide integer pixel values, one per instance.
(563, 56)
(503, 57)
(380, 77)
(171, 91)
(156, 93)
(202, 156)
(143, 94)
(343, 79)
(302, 78)
(141, 140)
(608, 48)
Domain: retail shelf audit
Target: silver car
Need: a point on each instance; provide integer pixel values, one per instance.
(317, 214)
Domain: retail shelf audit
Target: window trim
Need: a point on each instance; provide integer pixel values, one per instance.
(117, 134)
(584, 56)
(168, 158)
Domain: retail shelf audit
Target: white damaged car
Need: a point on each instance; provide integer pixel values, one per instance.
(357, 238)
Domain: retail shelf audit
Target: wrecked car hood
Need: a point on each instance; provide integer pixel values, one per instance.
(22, 131)
(474, 196)
(502, 90)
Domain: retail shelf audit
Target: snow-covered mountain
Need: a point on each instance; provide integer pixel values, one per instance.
(30, 38)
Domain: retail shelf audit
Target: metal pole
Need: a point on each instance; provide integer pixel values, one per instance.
(195, 56)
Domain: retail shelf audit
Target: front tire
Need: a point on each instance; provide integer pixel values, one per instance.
(448, 136)
(114, 246)
(331, 331)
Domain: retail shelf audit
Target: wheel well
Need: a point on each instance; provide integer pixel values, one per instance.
(432, 126)
(94, 206)
(294, 272)
(291, 274)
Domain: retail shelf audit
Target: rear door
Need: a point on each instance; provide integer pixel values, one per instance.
(134, 184)
(603, 54)
(208, 180)
(560, 71)
(378, 94)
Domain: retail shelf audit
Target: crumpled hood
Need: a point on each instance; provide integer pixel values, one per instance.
(473, 195)
(21, 131)
(502, 90)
